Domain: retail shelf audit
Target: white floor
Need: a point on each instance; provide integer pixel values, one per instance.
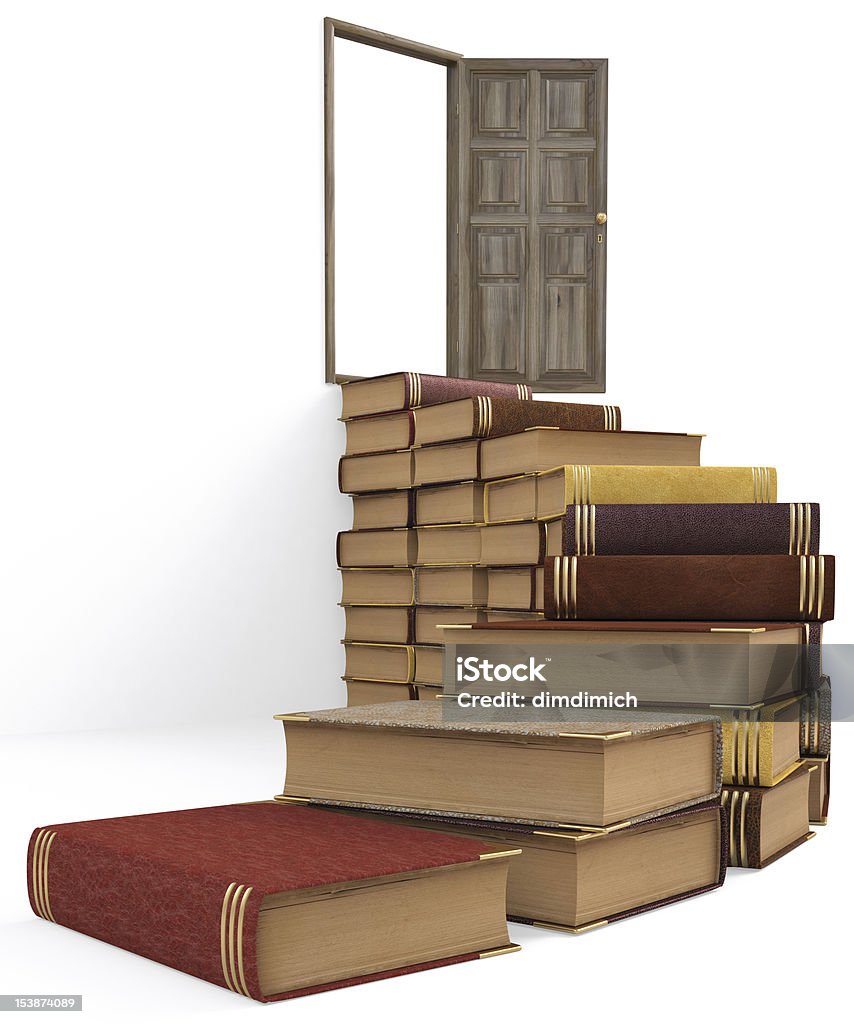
(769, 942)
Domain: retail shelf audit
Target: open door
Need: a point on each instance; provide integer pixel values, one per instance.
(531, 220)
(526, 211)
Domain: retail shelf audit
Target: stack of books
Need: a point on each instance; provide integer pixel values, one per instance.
(420, 453)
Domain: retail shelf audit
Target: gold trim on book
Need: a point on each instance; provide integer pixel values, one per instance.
(231, 921)
(573, 587)
(36, 874)
(223, 924)
(802, 587)
(810, 584)
(563, 835)
(241, 975)
(500, 951)
(820, 605)
(807, 527)
(283, 799)
(295, 717)
(495, 854)
(736, 629)
(745, 796)
(41, 856)
(572, 929)
(594, 735)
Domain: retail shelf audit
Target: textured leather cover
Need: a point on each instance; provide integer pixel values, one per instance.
(495, 417)
(431, 389)
(691, 529)
(622, 485)
(743, 805)
(474, 826)
(772, 587)
(157, 884)
(815, 720)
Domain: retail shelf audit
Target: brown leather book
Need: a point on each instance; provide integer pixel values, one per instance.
(767, 823)
(677, 587)
(407, 390)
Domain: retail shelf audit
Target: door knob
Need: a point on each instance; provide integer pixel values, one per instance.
(601, 218)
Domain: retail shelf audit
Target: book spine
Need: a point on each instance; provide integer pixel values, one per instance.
(427, 389)
(692, 529)
(771, 588)
(494, 417)
(621, 485)
(200, 924)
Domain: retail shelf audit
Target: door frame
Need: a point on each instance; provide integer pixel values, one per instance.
(332, 29)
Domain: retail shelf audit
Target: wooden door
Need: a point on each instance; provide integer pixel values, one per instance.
(530, 238)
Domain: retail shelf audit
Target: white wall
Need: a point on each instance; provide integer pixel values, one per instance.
(169, 450)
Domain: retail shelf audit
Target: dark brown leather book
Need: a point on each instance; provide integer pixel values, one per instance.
(781, 588)
(815, 720)
(577, 881)
(819, 789)
(767, 823)
(535, 772)
(495, 417)
(407, 390)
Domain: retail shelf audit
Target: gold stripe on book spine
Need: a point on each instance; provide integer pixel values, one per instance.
(810, 585)
(41, 857)
(231, 936)
(725, 801)
(807, 527)
(792, 528)
(820, 605)
(36, 875)
(755, 488)
(556, 589)
(745, 796)
(802, 585)
(223, 934)
(573, 588)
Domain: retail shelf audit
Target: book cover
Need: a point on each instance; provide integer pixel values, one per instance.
(705, 587)
(191, 889)
(408, 390)
(767, 823)
(815, 720)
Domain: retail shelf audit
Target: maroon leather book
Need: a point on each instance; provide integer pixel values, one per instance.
(706, 529)
(199, 890)
(776, 588)
(407, 390)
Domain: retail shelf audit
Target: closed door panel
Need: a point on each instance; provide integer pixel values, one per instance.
(530, 240)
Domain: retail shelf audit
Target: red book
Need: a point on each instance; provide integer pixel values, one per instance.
(273, 901)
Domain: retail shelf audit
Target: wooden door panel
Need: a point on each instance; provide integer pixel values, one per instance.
(531, 256)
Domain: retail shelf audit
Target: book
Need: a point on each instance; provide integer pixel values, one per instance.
(407, 756)
(457, 503)
(682, 663)
(762, 742)
(377, 691)
(387, 471)
(543, 448)
(577, 881)
(782, 588)
(451, 585)
(819, 798)
(427, 619)
(386, 510)
(501, 615)
(815, 720)
(383, 586)
(370, 548)
(240, 895)
(406, 390)
(495, 417)
(677, 529)
(515, 589)
(448, 545)
(765, 824)
(404, 663)
(383, 624)
(548, 494)
(469, 418)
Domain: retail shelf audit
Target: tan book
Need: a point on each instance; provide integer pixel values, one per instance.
(576, 881)
(383, 433)
(547, 495)
(377, 548)
(409, 756)
(451, 585)
(446, 463)
(448, 545)
(521, 543)
(766, 824)
(427, 619)
(381, 624)
(375, 691)
(388, 471)
(543, 448)
(519, 588)
(458, 503)
(385, 510)
(498, 615)
(378, 586)
(728, 663)
(403, 663)
(819, 797)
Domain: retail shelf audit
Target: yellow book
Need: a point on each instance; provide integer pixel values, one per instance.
(547, 495)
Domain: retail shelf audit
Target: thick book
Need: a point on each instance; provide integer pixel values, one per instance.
(377, 691)
(577, 881)
(272, 901)
(541, 448)
(388, 471)
(448, 545)
(819, 798)
(780, 588)
(429, 619)
(765, 824)
(385, 510)
(469, 418)
(376, 548)
(678, 663)
(403, 663)
(815, 719)
(548, 494)
(457, 503)
(381, 624)
(452, 585)
(408, 756)
(382, 586)
(515, 589)
(407, 390)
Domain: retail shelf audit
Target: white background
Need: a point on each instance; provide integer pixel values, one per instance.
(168, 447)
